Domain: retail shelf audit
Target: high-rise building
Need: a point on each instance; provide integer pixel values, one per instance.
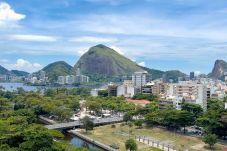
(140, 79)
(78, 71)
(191, 92)
(112, 90)
(225, 74)
(192, 75)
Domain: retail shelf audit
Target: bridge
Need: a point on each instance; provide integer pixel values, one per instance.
(71, 125)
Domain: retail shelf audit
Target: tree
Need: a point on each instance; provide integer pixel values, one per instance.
(211, 121)
(215, 104)
(193, 108)
(87, 123)
(103, 93)
(150, 97)
(127, 117)
(210, 139)
(50, 92)
(138, 123)
(186, 119)
(131, 145)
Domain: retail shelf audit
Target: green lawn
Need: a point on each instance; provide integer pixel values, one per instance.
(119, 135)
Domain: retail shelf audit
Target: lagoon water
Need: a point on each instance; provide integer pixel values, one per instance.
(13, 86)
(79, 142)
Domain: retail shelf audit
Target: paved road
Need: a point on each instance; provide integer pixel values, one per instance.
(69, 125)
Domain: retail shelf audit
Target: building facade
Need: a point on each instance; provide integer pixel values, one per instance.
(190, 92)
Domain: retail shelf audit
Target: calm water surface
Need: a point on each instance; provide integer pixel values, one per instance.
(13, 87)
(79, 142)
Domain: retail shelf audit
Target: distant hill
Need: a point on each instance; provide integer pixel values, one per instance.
(104, 61)
(59, 68)
(19, 73)
(4, 71)
(53, 70)
(219, 68)
(171, 74)
(156, 74)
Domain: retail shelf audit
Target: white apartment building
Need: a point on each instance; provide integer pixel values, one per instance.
(61, 80)
(70, 79)
(139, 79)
(190, 91)
(127, 89)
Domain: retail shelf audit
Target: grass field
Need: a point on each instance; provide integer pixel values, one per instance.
(119, 134)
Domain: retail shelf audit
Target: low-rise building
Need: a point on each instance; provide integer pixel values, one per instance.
(140, 102)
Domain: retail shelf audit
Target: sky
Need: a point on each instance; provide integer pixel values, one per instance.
(188, 35)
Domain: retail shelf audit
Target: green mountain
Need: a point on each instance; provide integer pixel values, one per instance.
(4, 71)
(167, 75)
(173, 74)
(219, 68)
(19, 73)
(104, 61)
(155, 74)
(56, 69)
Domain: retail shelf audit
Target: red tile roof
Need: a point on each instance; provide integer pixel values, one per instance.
(139, 101)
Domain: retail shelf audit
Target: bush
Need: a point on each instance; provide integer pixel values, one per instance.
(138, 123)
(131, 145)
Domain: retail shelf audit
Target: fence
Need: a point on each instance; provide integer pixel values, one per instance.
(153, 143)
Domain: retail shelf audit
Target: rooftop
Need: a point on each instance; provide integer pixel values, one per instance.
(144, 102)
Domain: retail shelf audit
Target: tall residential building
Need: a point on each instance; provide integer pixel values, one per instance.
(225, 74)
(112, 90)
(191, 92)
(139, 79)
(42, 75)
(192, 75)
(156, 87)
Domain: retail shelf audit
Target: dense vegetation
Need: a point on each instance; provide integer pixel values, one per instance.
(18, 118)
(113, 104)
(19, 111)
(149, 97)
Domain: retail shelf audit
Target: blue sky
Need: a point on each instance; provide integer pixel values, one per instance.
(188, 35)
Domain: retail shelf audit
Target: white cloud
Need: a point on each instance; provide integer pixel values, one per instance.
(8, 17)
(90, 39)
(34, 38)
(81, 52)
(23, 65)
(142, 64)
(117, 49)
(153, 26)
